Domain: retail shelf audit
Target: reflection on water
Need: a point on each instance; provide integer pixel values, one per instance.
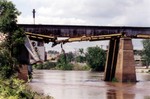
(88, 85)
(119, 94)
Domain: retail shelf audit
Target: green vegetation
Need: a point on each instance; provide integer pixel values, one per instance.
(16, 89)
(78, 66)
(115, 80)
(10, 49)
(96, 58)
(146, 52)
(63, 63)
(45, 65)
(81, 59)
(70, 56)
(55, 66)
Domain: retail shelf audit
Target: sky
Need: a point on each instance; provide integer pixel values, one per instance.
(86, 12)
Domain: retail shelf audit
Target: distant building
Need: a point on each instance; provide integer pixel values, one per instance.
(52, 55)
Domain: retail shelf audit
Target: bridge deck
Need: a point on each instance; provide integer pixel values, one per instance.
(79, 31)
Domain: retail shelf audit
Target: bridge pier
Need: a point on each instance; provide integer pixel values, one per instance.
(120, 61)
(23, 73)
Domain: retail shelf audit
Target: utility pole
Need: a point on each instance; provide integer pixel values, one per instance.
(33, 16)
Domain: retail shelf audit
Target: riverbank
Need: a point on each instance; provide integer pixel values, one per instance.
(142, 70)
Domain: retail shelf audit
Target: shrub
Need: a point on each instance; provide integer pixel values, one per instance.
(45, 65)
(114, 80)
(96, 58)
(63, 63)
(16, 89)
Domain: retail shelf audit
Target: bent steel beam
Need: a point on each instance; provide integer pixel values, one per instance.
(89, 38)
(111, 61)
(40, 37)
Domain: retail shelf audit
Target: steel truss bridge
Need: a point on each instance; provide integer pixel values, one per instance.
(120, 57)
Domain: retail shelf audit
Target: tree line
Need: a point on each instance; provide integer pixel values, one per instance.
(94, 58)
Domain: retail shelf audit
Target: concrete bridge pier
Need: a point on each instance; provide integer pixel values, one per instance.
(120, 61)
(125, 68)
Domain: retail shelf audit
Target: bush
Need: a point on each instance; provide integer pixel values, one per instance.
(96, 58)
(46, 65)
(64, 66)
(80, 59)
(7, 69)
(16, 89)
(78, 66)
(63, 63)
(86, 67)
(114, 80)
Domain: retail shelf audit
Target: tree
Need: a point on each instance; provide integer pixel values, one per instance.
(8, 25)
(63, 63)
(14, 37)
(70, 56)
(81, 50)
(146, 52)
(80, 59)
(96, 58)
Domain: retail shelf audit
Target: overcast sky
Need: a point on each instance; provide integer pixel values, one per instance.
(86, 12)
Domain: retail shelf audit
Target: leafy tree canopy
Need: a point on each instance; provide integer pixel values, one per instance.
(10, 49)
(8, 16)
(63, 63)
(96, 58)
(146, 51)
(8, 25)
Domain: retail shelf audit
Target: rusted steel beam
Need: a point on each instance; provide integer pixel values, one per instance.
(79, 31)
(90, 38)
(40, 37)
(142, 36)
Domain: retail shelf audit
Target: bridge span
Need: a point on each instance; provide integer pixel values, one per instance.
(120, 59)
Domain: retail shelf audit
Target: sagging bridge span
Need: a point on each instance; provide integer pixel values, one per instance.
(120, 58)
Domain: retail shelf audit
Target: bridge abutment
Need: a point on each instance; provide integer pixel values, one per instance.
(120, 62)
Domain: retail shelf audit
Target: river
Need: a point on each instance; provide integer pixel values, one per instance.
(88, 85)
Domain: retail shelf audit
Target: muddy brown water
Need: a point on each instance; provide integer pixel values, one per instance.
(88, 85)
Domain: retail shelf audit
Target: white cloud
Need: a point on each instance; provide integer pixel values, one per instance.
(91, 12)
(50, 20)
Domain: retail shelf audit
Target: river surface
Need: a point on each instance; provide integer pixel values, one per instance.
(87, 85)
